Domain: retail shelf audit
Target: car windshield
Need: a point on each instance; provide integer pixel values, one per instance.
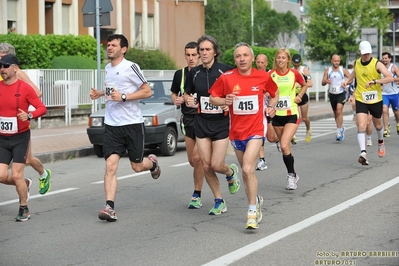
(160, 91)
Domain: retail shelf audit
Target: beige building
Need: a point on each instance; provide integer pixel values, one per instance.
(151, 24)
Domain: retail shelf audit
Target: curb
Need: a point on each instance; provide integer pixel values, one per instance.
(65, 155)
(329, 115)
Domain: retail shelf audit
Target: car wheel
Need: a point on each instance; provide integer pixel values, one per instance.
(98, 150)
(169, 144)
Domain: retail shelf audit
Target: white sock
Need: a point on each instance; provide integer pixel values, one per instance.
(252, 208)
(44, 175)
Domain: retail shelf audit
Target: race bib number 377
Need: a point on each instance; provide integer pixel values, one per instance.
(370, 96)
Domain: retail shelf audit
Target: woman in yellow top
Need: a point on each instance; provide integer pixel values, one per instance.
(286, 118)
(368, 97)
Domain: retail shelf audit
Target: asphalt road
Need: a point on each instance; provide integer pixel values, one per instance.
(342, 212)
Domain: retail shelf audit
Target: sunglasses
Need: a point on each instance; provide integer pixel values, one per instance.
(5, 65)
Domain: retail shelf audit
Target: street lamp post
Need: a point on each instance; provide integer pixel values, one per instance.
(252, 22)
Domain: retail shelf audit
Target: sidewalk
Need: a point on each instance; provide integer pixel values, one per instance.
(63, 143)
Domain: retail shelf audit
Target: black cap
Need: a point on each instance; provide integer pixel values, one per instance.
(296, 58)
(9, 59)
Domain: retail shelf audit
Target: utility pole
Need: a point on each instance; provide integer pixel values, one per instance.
(252, 22)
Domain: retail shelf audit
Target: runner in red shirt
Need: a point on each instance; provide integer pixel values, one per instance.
(15, 98)
(243, 89)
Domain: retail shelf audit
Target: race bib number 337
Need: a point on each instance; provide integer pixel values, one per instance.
(8, 125)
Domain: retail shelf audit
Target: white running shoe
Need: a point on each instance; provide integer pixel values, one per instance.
(291, 181)
(261, 165)
(369, 142)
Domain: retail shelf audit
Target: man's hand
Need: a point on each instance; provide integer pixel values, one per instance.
(229, 99)
(94, 94)
(22, 115)
(179, 100)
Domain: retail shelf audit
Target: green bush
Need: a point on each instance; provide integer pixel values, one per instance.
(74, 62)
(228, 56)
(37, 51)
(151, 59)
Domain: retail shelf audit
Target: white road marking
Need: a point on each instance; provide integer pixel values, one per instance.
(39, 195)
(123, 177)
(261, 243)
(180, 164)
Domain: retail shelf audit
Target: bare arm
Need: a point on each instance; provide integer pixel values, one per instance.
(24, 77)
(395, 70)
(309, 82)
(325, 79)
(387, 75)
(350, 79)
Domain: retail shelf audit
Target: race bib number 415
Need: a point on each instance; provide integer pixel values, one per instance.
(245, 105)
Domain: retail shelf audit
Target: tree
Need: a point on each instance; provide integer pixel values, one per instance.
(289, 25)
(229, 21)
(335, 26)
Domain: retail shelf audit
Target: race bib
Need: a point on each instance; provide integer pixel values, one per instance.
(109, 88)
(245, 105)
(8, 125)
(208, 108)
(284, 103)
(370, 96)
(335, 89)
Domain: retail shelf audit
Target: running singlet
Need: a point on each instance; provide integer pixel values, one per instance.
(364, 74)
(391, 87)
(286, 104)
(247, 110)
(18, 95)
(337, 77)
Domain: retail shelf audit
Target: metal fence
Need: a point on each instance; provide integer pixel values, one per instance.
(71, 88)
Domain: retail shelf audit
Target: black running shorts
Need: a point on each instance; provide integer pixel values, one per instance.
(14, 148)
(305, 100)
(118, 139)
(280, 121)
(335, 99)
(215, 130)
(187, 126)
(375, 109)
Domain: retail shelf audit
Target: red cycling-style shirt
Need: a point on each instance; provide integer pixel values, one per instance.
(247, 110)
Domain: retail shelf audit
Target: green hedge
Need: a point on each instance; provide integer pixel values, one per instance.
(37, 51)
(74, 62)
(151, 59)
(228, 56)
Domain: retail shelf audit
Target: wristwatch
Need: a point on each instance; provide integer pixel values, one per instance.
(30, 116)
(123, 96)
